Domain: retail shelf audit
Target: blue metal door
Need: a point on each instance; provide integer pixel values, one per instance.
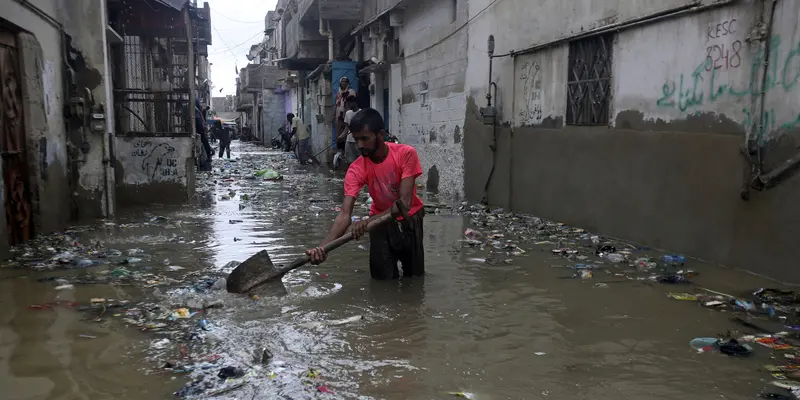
(340, 69)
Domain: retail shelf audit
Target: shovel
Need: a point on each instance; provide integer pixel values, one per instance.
(258, 269)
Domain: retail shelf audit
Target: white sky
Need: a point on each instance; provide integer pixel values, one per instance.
(235, 24)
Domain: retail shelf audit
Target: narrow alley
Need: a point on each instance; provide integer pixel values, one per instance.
(513, 307)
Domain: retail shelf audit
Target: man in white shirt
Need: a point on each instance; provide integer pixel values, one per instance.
(351, 150)
(300, 133)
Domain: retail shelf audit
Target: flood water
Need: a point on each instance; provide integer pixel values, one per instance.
(511, 330)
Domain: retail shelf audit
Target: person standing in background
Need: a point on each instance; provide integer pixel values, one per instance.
(300, 132)
(340, 108)
(200, 128)
(351, 151)
(224, 137)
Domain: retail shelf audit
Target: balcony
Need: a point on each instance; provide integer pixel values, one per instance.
(244, 102)
(160, 19)
(334, 10)
(304, 47)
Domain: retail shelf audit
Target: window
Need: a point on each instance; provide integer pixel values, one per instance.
(453, 10)
(589, 80)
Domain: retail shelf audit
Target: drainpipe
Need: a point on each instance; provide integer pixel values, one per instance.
(107, 138)
(752, 146)
(381, 48)
(327, 33)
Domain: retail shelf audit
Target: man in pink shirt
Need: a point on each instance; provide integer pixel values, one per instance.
(389, 170)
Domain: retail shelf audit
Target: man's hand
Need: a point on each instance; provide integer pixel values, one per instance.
(360, 228)
(317, 255)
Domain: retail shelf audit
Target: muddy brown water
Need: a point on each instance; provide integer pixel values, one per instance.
(512, 331)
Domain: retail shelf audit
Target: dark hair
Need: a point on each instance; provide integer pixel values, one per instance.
(350, 98)
(289, 116)
(369, 118)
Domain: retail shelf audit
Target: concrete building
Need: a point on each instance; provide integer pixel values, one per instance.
(56, 142)
(223, 104)
(630, 119)
(651, 121)
(418, 53)
(63, 155)
(162, 70)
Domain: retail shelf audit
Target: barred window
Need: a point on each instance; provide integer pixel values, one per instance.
(589, 80)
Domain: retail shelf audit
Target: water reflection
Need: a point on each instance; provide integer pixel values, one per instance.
(499, 330)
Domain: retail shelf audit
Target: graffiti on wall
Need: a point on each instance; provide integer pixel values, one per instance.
(723, 52)
(530, 75)
(157, 160)
(706, 85)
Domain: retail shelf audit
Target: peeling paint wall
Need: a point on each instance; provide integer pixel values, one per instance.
(319, 103)
(273, 113)
(684, 91)
(85, 26)
(154, 170)
(431, 100)
(516, 25)
(39, 44)
(540, 93)
(696, 65)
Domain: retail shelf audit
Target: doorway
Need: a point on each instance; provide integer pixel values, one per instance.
(12, 143)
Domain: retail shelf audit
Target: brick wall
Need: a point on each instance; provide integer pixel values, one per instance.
(431, 105)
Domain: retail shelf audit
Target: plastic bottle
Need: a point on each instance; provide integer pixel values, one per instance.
(674, 259)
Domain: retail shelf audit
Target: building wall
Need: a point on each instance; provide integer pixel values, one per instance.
(39, 44)
(154, 170)
(273, 113)
(85, 24)
(666, 170)
(319, 114)
(432, 101)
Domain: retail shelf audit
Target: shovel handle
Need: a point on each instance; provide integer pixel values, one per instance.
(347, 237)
(335, 244)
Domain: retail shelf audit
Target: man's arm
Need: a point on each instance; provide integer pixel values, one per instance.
(354, 181)
(342, 221)
(345, 132)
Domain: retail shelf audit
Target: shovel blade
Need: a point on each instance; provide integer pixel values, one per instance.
(252, 272)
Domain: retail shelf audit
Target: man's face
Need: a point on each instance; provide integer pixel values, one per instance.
(368, 142)
(343, 84)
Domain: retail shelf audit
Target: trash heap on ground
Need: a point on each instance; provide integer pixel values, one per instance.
(771, 317)
(188, 337)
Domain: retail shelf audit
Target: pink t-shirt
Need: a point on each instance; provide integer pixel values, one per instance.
(383, 180)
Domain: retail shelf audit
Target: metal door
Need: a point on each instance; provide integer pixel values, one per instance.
(12, 144)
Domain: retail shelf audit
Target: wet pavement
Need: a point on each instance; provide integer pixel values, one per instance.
(512, 307)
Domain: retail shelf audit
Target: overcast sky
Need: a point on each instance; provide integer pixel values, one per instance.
(236, 25)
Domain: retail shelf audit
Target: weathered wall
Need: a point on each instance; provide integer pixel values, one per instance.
(273, 114)
(516, 25)
(154, 170)
(431, 99)
(39, 45)
(319, 103)
(697, 77)
(84, 22)
(667, 169)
